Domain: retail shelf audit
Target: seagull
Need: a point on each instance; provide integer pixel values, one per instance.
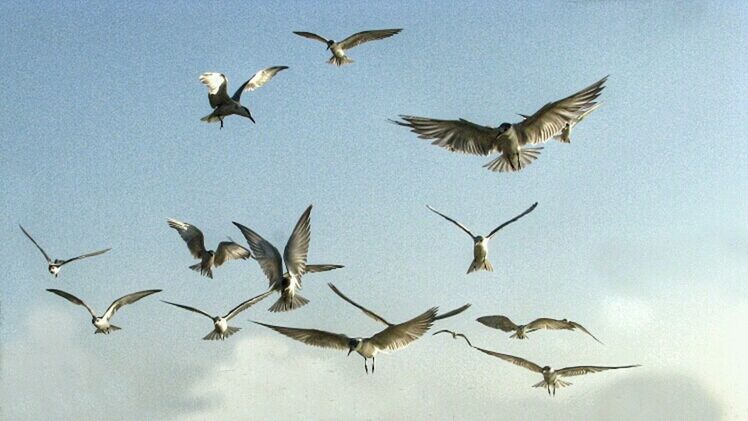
(219, 98)
(503, 323)
(227, 250)
(294, 255)
(454, 335)
(55, 265)
(338, 48)
(221, 329)
(102, 323)
(480, 247)
(552, 378)
(509, 139)
(564, 136)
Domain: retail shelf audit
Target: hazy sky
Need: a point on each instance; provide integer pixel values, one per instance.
(641, 232)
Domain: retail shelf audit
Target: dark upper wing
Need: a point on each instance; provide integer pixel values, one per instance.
(297, 247)
(552, 117)
(247, 304)
(73, 299)
(127, 299)
(321, 268)
(452, 313)
(83, 256)
(191, 235)
(193, 309)
(579, 370)
(547, 323)
(366, 36)
(498, 322)
(530, 209)
(454, 135)
(312, 337)
(366, 311)
(514, 360)
(257, 80)
(37, 245)
(459, 225)
(265, 253)
(229, 250)
(398, 336)
(217, 88)
(311, 35)
(580, 327)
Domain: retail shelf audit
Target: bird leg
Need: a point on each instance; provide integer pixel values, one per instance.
(366, 368)
(221, 120)
(372, 365)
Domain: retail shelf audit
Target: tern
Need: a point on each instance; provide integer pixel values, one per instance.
(338, 48)
(221, 329)
(227, 250)
(102, 323)
(552, 378)
(222, 104)
(521, 331)
(455, 335)
(55, 265)
(511, 140)
(287, 283)
(480, 243)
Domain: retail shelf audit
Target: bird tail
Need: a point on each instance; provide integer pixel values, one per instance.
(339, 61)
(210, 118)
(478, 266)
(541, 384)
(108, 331)
(215, 335)
(288, 302)
(205, 271)
(519, 335)
(504, 163)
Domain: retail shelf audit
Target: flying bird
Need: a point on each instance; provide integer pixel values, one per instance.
(221, 329)
(338, 48)
(222, 104)
(511, 140)
(455, 335)
(287, 282)
(227, 250)
(551, 378)
(55, 265)
(521, 331)
(480, 243)
(102, 323)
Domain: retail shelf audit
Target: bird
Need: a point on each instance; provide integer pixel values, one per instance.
(511, 140)
(552, 378)
(286, 283)
(221, 329)
(338, 48)
(222, 104)
(521, 331)
(102, 323)
(454, 335)
(480, 243)
(564, 135)
(226, 250)
(55, 265)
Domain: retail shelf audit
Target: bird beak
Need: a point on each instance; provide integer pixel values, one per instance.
(349, 352)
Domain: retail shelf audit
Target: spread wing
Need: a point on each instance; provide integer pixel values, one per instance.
(257, 80)
(193, 309)
(530, 209)
(552, 117)
(37, 245)
(514, 360)
(265, 253)
(582, 369)
(217, 85)
(191, 235)
(83, 256)
(366, 311)
(498, 322)
(127, 299)
(73, 299)
(312, 337)
(321, 268)
(399, 336)
(454, 335)
(453, 312)
(459, 225)
(454, 135)
(311, 35)
(247, 304)
(580, 327)
(297, 247)
(229, 250)
(547, 323)
(366, 36)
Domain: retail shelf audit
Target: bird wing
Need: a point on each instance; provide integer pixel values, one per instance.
(229, 250)
(530, 209)
(366, 36)
(454, 334)
(127, 299)
(587, 369)
(297, 247)
(454, 135)
(498, 322)
(36, 244)
(321, 268)
(311, 35)
(366, 311)
(453, 312)
(552, 117)
(247, 304)
(217, 88)
(191, 235)
(398, 336)
(312, 337)
(582, 328)
(514, 360)
(193, 309)
(585, 112)
(265, 253)
(462, 227)
(547, 323)
(73, 299)
(258, 79)
(83, 256)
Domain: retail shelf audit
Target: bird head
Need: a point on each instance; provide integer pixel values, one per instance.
(353, 343)
(546, 369)
(329, 44)
(504, 127)
(249, 115)
(54, 269)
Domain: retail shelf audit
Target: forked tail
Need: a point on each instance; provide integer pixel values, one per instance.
(339, 61)
(108, 330)
(478, 266)
(288, 302)
(205, 271)
(215, 335)
(514, 162)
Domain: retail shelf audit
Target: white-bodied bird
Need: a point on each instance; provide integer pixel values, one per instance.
(54, 266)
(521, 331)
(227, 250)
(338, 48)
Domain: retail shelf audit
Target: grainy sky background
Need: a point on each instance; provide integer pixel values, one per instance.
(641, 233)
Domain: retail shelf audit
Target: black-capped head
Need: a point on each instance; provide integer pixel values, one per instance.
(353, 344)
(546, 369)
(249, 115)
(504, 127)
(329, 44)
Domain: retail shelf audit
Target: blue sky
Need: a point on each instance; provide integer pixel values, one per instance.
(640, 233)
